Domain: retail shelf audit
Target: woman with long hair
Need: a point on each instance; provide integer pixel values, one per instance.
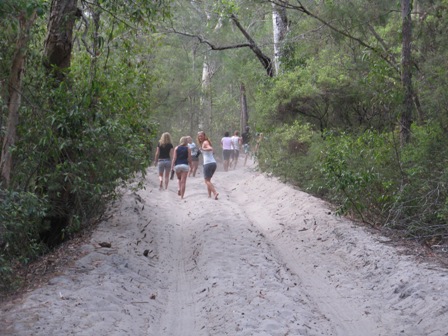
(209, 163)
(162, 160)
(194, 156)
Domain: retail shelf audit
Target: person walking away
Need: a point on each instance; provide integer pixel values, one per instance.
(258, 142)
(164, 153)
(209, 164)
(194, 156)
(236, 145)
(226, 144)
(181, 164)
(245, 137)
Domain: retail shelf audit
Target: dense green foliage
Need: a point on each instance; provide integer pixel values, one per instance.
(353, 98)
(78, 140)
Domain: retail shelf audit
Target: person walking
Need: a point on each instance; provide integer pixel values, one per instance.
(258, 143)
(245, 137)
(226, 144)
(162, 160)
(194, 156)
(209, 163)
(181, 164)
(236, 145)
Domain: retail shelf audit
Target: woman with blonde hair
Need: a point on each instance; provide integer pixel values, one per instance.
(162, 160)
(181, 164)
(209, 163)
(194, 156)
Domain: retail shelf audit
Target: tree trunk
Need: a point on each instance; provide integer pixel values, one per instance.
(206, 97)
(244, 119)
(59, 40)
(15, 96)
(280, 28)
(406, 74)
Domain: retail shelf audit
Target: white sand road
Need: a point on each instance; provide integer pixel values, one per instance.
(265, 259)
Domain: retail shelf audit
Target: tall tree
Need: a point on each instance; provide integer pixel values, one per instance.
(406, 72)
(59, 41)
(280, 29)
(26, 21)
(244, 117)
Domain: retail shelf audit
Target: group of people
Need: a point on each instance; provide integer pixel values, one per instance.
(232, 145)
(183, 160)
(231, 149)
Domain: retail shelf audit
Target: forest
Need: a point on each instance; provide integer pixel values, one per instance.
(349, 95)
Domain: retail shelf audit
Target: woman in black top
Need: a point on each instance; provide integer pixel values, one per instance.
(181, 164)
(164, 153)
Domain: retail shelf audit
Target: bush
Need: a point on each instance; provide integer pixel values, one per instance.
(422, 209)
(21, 216)
(361, 173)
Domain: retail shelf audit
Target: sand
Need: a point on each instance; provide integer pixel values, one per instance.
(264, 259)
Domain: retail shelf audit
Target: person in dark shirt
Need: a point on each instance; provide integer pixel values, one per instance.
(162, 160)
(181, 164)
(245, 137)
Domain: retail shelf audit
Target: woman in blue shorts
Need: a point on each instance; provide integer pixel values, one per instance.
(181, 164)
(209, 163)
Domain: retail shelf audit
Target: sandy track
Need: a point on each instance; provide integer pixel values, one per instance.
(265, 259)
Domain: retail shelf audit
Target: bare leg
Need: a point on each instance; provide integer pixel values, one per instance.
(178, 182)
(245, 159)
(167, 178)
(195, 167)
(160, 180)
(183, 183)
(211, 189)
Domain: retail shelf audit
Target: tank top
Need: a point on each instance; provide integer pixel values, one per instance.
(182, 155)
(236, 142)
(208, 157)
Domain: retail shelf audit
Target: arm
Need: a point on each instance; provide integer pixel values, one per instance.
(206, 146)
(174, 158)
(189, 156)
(156, 158)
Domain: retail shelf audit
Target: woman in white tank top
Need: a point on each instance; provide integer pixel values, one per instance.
(209, 163)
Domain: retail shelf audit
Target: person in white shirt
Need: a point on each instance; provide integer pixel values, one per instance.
(236, 145)
(194, 156)
(227, 149)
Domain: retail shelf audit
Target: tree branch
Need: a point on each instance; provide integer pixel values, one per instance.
(303, 9)
(210, 44)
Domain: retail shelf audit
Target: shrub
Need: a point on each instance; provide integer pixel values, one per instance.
(21, 216)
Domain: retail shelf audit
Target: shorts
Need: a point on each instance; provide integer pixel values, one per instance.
(246, 148)
(194, 158)
(164, 165)
(181, 168)
(226, 154)
(209, 170)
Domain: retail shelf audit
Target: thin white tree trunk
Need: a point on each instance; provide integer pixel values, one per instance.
(280, 28)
